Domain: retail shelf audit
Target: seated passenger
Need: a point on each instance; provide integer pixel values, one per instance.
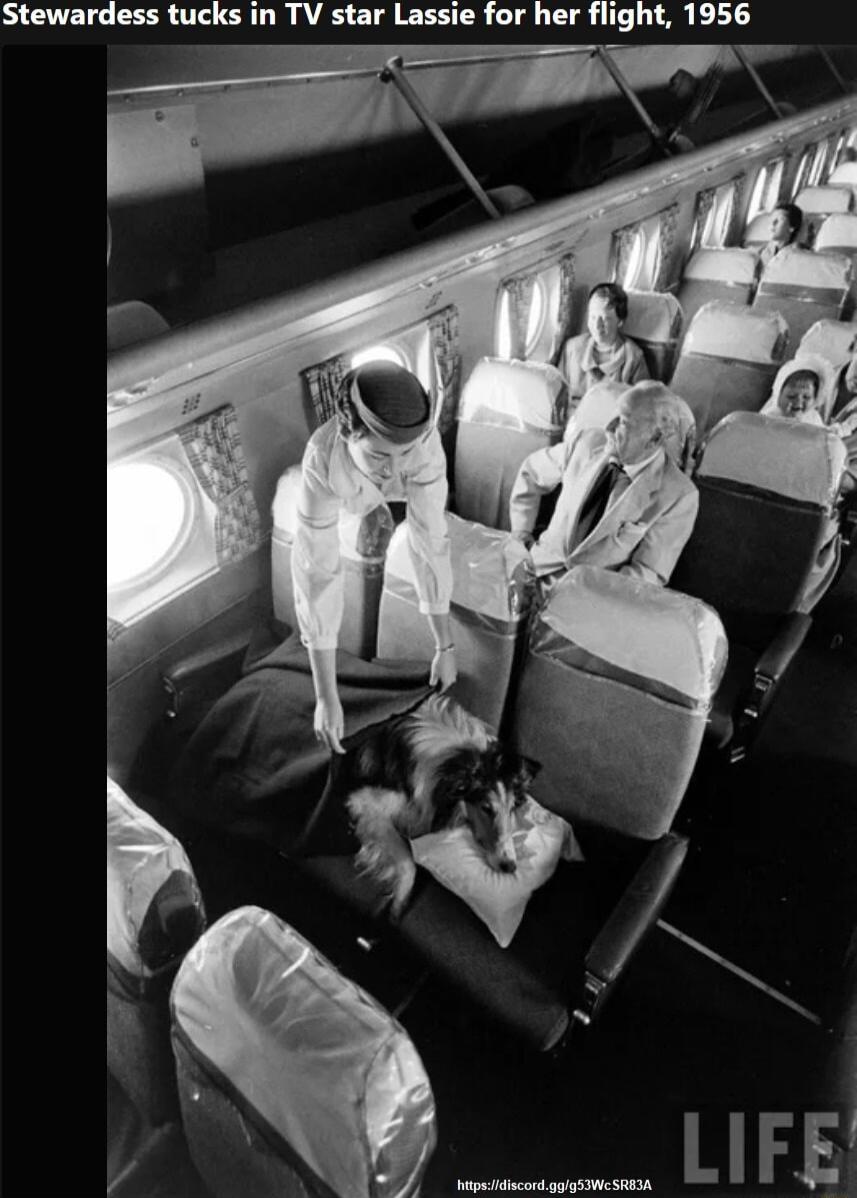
(602, 352)
(381, 445)
(786, 220)
(623, 503)
(801, 390)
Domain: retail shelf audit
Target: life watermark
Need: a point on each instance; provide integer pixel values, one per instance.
(741, 1148)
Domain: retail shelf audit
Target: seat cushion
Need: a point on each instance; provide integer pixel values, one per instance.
(528, 986)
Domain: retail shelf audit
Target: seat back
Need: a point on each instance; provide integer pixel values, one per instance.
(816, 203)
(363, 542)
(835, 340)
(837, 234)
(775, 480)
(490, 600)
(613, 699)
(508, 409)
(292, 1079)
(655, 322)
(845, 175)
(759, 230)
(131, 322)
(597, 407)
(727, 273)
(804, 287)
(728, 361)
(154, 914)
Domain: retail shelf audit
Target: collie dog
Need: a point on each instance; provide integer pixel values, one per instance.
(437, 767)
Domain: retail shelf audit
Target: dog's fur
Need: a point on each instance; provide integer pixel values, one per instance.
(437, 767)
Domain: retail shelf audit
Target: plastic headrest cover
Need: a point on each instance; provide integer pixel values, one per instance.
(489, 568)
(759, 229)
(793, 460)
(846, 172)
(363, 537)
(728, 264)
(141, 857)
(597, 408)
(803, 268)
(835, 340)
(824, 199)
(328, 1068)
(653, 316)
(522, 394)
(838, 231)
(731, 331)
(640, 627)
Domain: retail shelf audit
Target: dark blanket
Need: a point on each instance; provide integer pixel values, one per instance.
(253, 764)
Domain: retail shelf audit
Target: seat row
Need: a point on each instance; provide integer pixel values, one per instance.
(285, 1077)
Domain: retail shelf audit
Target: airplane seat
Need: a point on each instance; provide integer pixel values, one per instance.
(637, 665)
(727, 273)
(491, 596)
(758, 231)
(804, 287)
(363, 542)
(508, 409)
(154, 914)
(131, 322)
(293, 1080)
(728, 361)
(776, 481)
(835, 340)
(817, 203)
(655, 320)
(845, 175)
(838, 235)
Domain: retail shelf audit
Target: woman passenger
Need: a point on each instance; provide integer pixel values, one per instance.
(786, 220)
(380, 445)
(603, 352)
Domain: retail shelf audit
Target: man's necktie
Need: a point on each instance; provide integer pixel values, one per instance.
(595, 504)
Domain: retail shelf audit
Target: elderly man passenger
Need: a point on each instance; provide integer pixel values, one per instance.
(623, 504)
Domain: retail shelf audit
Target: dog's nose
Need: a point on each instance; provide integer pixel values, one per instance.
(507, 865)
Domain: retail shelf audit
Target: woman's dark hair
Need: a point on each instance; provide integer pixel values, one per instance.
(350, 424)
(614, 295)
(794, 216)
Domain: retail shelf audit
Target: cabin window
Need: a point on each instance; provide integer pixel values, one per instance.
(804, 167)
(379, 353)
(833, 161)
(521, 317)
(766, 189)
(816, 171)
(637, 265)
(160, 529)
(714, 212)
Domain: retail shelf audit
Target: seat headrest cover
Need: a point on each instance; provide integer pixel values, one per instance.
(837, 232)
(824, 199)
(724, 330)
(834, 340)
(598, 406)
(490, 575)
(513, 394)
(142, 857)
(284, 509)
(641, 629)
(846, 172)
(759, 229)
(328, 1068)
(726, 264)
(804, 268)
(797, 461)
(653, 316)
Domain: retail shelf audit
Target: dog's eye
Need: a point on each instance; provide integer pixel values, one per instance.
(520, 799)
(486, 808)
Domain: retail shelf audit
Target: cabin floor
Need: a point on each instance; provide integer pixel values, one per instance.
(769, 887)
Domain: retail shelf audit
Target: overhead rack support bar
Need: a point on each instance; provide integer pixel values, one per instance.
(832, 68)
(393, 72)
(631, 96)
(754, 75)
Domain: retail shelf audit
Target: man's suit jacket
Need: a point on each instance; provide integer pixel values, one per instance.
(643, 530)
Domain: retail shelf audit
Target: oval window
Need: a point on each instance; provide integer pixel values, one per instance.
(535, 321)
(149, 515)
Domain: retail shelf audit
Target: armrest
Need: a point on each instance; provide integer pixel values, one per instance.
(636, 912)
(204, 675)
(768, 670)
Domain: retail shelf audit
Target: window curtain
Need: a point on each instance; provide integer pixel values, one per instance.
(520, 292)
(736, 222)
(445, 343)
(323, 382)
(115, 628)
(213, 448)
(564, 306)
(623, 241)
(704, 204)
(669, 263)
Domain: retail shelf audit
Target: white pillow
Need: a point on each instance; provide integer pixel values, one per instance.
(454, 859)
